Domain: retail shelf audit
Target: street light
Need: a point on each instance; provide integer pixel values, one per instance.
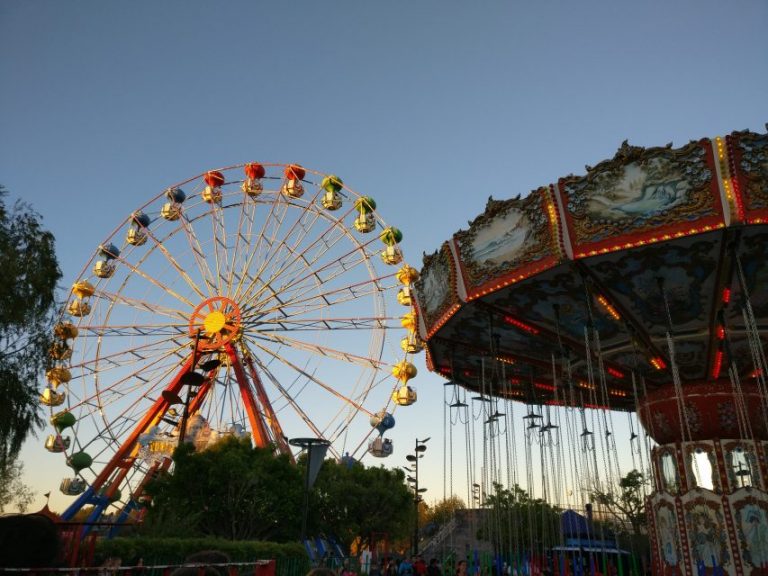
(476, 493)
(414, 483)
(319, 446)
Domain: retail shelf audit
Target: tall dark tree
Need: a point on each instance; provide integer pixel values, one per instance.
(13, 492)
(627, 504)
(512, 519)
(353, 502)
(230, 490)
(27, 302)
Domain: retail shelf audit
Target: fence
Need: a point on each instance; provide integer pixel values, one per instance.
(283, 567)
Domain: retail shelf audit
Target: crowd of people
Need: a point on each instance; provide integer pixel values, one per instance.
(389, 566)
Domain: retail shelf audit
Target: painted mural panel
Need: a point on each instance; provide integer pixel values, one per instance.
(707, 533)
(750, 513)
(509, 238)
(436, 287)
(749, 165)
(641, 194)
(668, 535)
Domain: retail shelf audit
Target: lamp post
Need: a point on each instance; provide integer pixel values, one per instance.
(413, 481)
(310, 445)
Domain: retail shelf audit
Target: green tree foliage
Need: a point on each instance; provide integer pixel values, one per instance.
(513, 519)
(230, 490)
(354, 502)
(442, 512)
(27, 292)
(13, 492)
(627, 504)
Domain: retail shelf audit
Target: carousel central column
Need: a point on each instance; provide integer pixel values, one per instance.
(708, 513)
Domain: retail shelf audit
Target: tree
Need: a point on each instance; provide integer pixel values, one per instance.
(27, 302)
(13, 492)
(230, 490)
(354, 502)
(442, 511)
(628, 503)
(513, 518)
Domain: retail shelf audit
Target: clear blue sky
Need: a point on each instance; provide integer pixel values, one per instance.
(430, 106)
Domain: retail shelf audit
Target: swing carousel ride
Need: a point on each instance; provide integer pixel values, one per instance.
(247, 301)
(638, 287)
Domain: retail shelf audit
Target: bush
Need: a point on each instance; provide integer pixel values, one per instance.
(151, 551)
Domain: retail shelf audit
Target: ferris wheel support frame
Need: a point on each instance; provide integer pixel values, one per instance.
(269, 412)
(134, 502)
(258, 429)
(158, 409)
(102, 500)
(258, 412)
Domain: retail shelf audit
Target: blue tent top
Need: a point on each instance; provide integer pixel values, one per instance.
(573, 524)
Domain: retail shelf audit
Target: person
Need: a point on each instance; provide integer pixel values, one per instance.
(321, 571)
(434, 568)
(211, 563)
(406, 568)
(346, 570)
(390, 567)
(461, 568)
(419, 566)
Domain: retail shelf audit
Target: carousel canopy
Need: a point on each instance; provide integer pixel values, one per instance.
(601, 288)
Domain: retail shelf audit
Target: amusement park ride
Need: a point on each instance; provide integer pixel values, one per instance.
(641, 286)
(229, 305)
(248, 301)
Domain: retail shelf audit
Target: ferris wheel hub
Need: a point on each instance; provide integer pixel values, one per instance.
(215, 322)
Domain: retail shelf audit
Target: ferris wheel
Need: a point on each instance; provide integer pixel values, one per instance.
(257, 300)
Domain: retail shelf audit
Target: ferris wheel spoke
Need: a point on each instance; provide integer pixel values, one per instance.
(155, 282)
(323, 351)
(125, 421)
(302, 230)
(299, 227)
(291, 401)
(333, 226)
(254, 251)
(333, 270)
(322, 324)
(310, 300)
(330, 389)
(104, 398)
(142, 375)
(219, 243)
(265, 240)
(118, 298)
(246, 220)
(174, 263)
(317, 303)
(326, 242)
(346, 413)
(167, 329)
(119, 358)
(198, 255)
